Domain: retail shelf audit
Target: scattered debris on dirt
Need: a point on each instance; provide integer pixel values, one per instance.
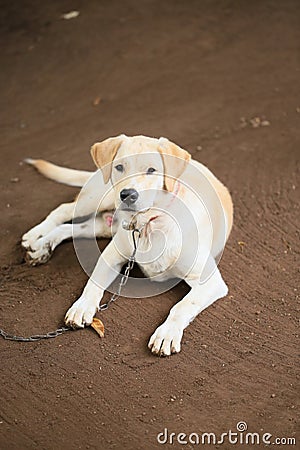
(286, 243)
(254, 122)
(96, 101)
(241, 245)
(70, 15)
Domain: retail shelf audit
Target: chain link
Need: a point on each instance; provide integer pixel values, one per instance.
(127, 270)
(35, 337)
(103, 307)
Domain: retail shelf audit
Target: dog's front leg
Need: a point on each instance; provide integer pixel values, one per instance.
(107, 269)
(167, 337)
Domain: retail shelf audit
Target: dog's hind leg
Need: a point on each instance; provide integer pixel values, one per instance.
(61, 214)
(99, 226)
(91, 199)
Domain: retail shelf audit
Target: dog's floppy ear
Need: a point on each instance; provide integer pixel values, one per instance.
(175, 160)
(103, 153)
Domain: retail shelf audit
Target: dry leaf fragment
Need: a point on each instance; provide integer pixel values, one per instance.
(70, 15)
(98, 326)
(96, 101)
(241, 245)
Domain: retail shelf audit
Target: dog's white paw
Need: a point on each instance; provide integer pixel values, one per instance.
(166, 339)
(31, 237)
(81, 313)
(39, 253)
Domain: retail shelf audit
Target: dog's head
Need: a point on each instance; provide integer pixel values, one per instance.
(139, 167)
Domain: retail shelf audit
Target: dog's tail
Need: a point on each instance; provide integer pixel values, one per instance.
(60, 174)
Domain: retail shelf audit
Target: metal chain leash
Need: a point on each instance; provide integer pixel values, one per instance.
(103, 307)
(35, 337)
(125, 276)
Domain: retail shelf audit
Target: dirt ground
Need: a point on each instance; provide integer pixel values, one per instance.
(222, 80)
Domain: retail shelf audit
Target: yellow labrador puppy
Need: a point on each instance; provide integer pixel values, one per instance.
(184, 214)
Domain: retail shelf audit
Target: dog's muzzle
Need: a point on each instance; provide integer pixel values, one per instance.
(129, 196)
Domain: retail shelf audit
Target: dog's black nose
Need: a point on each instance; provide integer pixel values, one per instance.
(129, 196)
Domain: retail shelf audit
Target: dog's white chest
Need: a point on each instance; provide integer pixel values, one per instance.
(157, 254)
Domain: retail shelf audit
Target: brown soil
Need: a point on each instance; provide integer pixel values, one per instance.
(198, 73)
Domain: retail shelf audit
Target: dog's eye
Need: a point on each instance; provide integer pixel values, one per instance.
(120, 168)
(151, 170)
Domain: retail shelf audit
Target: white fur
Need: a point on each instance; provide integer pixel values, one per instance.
(163, 232)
